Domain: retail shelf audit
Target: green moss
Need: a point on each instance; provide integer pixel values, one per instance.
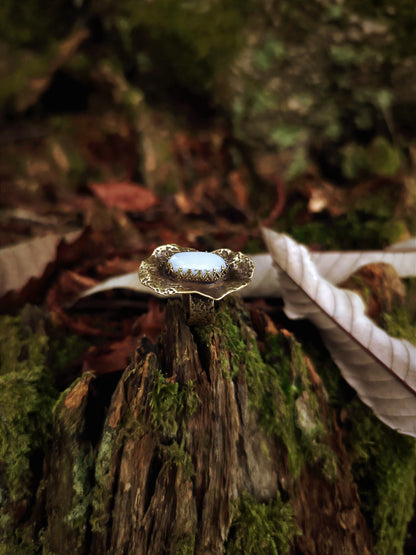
(297, 417)
(185, 545)
(261, 527)
(101, 494)
(398, 324)
(83, 471)
(64, 349)
(370, 222)
(178, 456)
(279, 389)
(240, 351)
(26, 400)
(383, 461)
(170, 402)
(385, 470)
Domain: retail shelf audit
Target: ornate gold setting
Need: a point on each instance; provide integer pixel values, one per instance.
(200, 276)
(156, 272)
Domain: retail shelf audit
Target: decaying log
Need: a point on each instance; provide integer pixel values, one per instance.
(184, 460)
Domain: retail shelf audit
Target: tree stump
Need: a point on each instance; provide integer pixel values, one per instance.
(216, 439)
(205, 446)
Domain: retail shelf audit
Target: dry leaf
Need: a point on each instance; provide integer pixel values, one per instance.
(29, 260)
(337, 266)
(126, 196)
(111, 357)
(380, 368)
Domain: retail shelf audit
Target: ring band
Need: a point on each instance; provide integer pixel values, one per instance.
(199, 310)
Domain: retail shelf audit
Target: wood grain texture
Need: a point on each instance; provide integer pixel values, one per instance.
(156, 461)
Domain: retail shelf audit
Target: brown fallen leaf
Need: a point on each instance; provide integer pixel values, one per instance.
(68, 285)
(111, 357)
(126, 196)
(150, 324)
(116, 266)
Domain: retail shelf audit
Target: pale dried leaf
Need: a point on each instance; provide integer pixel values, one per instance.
(126, 281)
(336, 267)
(404, 246)
(265, 282)
(24, 261)
(380, 368)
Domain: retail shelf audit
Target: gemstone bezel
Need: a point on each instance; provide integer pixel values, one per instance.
(154, 273)
(195, 274)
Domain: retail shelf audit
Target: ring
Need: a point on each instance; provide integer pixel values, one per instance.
(200, 277)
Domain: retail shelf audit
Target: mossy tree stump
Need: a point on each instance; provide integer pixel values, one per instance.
(216, 439)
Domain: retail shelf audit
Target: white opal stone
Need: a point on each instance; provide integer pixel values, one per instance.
(197, 261)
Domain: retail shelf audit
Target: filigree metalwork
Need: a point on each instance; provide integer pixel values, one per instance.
(155, 272)
(200, 276)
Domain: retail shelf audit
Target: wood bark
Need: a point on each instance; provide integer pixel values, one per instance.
(155, 461)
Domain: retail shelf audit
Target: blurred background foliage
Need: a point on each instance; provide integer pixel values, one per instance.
(327, 80)
(327, 86)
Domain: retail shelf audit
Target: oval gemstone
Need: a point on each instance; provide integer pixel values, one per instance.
(208, 263)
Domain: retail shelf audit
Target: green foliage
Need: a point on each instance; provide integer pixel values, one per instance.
(319, 93)
(261, 527)
(401, 16)
(378, 158)
(183, 42)
(272, 51)
(286, 136)
(369, 223)
(26, 400)
(23, 68)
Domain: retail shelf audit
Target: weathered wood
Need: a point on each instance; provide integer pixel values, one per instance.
(182, 444)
